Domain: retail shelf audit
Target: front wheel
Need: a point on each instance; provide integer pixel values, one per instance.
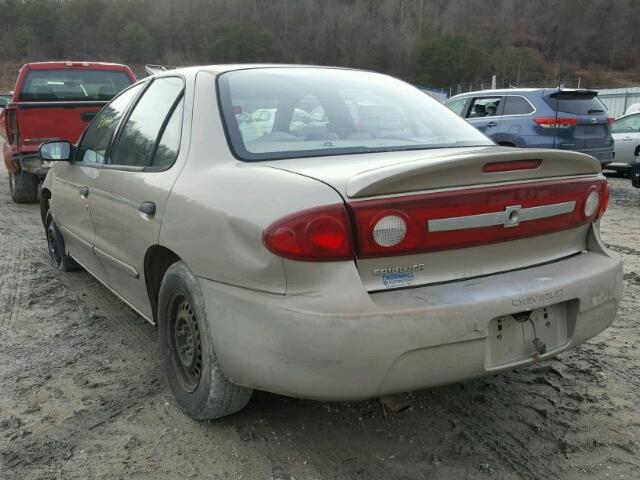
(186, 345)
(23, 187)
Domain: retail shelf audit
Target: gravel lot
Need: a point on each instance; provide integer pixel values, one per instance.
(82, 395)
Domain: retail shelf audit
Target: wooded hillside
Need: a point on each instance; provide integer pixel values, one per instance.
(441, 43)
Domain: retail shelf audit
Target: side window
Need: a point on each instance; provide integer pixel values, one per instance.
(457, 106)
(96, 139)
(627, 125)
(144, 127)
(484, 107)
(516, 105)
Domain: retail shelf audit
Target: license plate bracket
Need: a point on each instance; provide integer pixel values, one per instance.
(511, 341)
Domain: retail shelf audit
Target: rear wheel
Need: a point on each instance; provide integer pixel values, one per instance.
(23, 187)
(55, 244)
(186, 344)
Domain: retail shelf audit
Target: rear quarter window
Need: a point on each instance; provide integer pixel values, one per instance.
(576, 103)
(517, 105)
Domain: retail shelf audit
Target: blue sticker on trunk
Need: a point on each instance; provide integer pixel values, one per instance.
(396, 280)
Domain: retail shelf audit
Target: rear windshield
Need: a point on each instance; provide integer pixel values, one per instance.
(72, 85)
(275, 113)
(577, 103)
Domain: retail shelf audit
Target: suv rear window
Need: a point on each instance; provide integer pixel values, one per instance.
(276, 113)
(72, 85)
(576, 103)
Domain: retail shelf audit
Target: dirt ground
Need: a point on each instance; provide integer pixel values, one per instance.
(82, 395)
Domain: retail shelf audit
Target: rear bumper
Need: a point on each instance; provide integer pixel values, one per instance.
(604, 155)
(28, 162)
(317, 347)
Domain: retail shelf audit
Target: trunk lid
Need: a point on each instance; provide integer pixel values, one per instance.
(457, 204)
(390, 173)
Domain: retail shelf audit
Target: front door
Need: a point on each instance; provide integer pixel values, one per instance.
(74, 182)
(129, 197)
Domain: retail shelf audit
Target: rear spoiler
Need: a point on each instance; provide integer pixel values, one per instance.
(464, 169)
(574, 91)
(153, 69)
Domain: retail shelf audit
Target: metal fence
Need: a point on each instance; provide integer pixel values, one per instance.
(618, 100)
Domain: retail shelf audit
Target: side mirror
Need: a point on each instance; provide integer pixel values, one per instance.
(56, 151)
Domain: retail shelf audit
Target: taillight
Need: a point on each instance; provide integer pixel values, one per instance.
(604, 200)
(611, 120)
(476, 216)
(553, 122)
(12, 126)
(315, 235)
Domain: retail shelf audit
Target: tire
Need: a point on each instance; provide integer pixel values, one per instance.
(55, 245)
(23, 187)
(186, 345)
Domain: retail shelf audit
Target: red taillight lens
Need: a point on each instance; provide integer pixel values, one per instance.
(495, 167)
(611, 120)
(604, 199)
(461, 211)
(316, 235)
(553, 122)
(12, 125)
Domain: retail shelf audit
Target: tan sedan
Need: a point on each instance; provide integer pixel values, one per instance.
(372, 243)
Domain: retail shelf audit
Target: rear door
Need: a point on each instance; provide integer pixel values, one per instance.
(74, 183)
(626, 134)
(484, 114)
(130, 195)
(591, 129)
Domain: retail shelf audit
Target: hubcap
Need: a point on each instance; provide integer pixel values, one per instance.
(186, 343)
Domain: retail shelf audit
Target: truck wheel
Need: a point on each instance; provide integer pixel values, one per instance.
(186, 345)
(55, 244)
(23, 187)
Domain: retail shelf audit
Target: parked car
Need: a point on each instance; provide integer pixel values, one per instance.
(52, 101)
(540, 118)
(626, 134)
(397, 252)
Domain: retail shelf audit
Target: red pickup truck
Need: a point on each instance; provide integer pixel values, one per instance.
(52, 101)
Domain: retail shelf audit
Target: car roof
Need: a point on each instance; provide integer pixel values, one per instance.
(223, 68)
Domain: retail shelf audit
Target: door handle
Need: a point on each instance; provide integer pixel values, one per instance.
(627, 139)
(148, 208)
(492, 124)
(84, 192)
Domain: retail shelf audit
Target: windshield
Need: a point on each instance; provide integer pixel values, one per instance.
(72, 85)
(276, 113)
